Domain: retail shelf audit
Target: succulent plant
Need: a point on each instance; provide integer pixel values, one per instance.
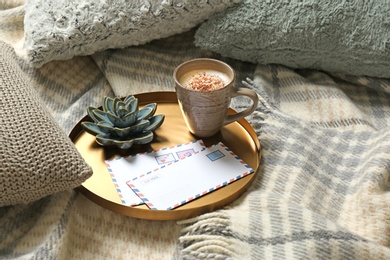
(121, 123)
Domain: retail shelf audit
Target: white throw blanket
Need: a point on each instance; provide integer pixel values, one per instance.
(322, 191)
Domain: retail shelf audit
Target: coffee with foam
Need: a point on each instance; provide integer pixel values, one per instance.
(204, 80)
(204, 89)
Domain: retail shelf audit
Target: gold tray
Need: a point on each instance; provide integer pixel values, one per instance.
(239, 136)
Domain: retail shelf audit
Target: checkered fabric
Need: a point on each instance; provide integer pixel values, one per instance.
(321, 192)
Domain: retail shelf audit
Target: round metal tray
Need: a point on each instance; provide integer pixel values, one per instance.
(239, 136)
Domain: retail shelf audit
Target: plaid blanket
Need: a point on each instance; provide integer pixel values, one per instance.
(321, 192)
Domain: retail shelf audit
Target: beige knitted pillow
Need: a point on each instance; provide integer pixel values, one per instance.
(36, 157)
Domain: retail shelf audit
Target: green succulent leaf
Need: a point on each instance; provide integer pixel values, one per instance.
(128, 99)
(127, 120)
(143, 138)
(121, 123)
(155, 122)
(147, 111)
(123, 144)
(126, 132)
(107, 105)
(122, 111)
(105, 116)
(114, 106)
(132, 105)
(92, 115)
(105, 123)
(120, 105)
(137, 128)
(93, 129)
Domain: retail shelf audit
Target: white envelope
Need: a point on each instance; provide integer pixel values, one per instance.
(175, 184)
(124, 168)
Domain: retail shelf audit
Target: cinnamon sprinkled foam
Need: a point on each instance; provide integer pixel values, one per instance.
(204, 81)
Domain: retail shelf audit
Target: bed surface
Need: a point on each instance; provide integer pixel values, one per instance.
(322, 190)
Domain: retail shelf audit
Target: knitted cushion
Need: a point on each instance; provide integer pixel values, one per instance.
(36, 157)
(57, 30)
(351, 37)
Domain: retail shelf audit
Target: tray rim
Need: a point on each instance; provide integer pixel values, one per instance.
(179, 213)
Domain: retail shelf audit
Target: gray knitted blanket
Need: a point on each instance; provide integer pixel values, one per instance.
(322, 190)
(321, 193)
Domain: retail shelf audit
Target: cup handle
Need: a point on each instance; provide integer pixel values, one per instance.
(242, 92)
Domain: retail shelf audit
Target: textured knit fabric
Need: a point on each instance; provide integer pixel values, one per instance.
(277, 222)
(56, 30)
(320, 193)
(127, 74)
(322, 190)
(352, 37)
(36, 156)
